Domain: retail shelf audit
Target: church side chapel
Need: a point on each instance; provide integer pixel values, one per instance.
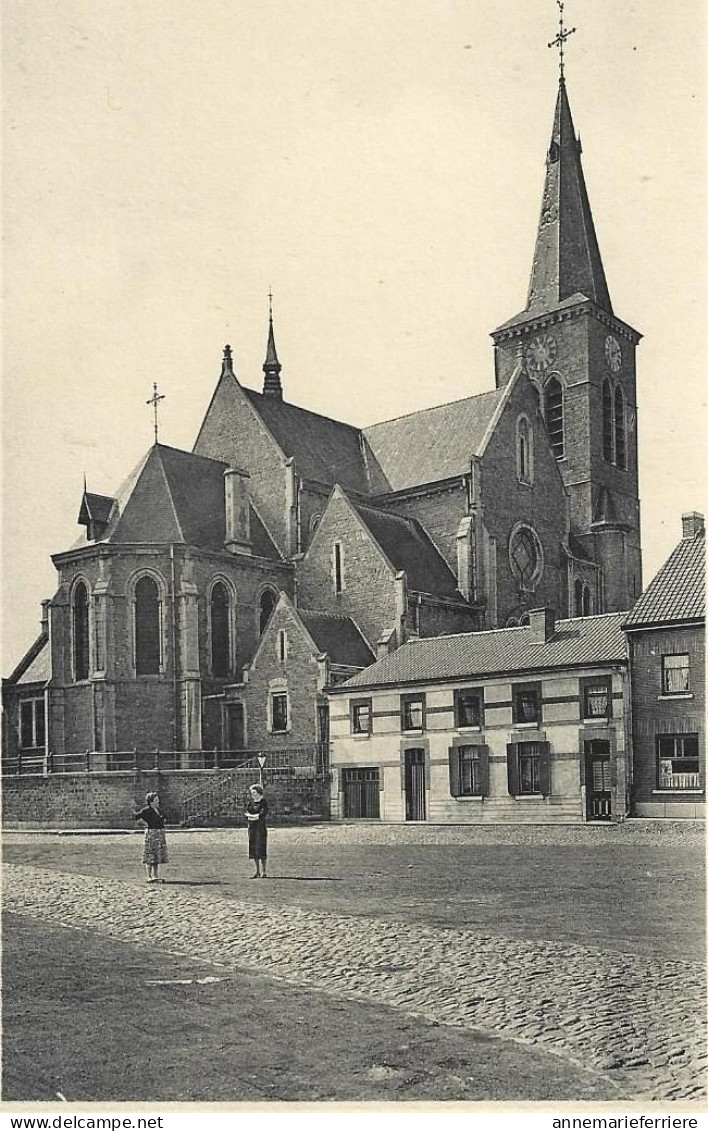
(176, 614)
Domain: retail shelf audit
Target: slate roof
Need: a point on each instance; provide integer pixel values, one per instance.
(339, 637)
(678, 592)
(582, 641)
(35, 665)
(96, 508)
(435, 443)
(407, 546)
(326, 450)
(177, 496)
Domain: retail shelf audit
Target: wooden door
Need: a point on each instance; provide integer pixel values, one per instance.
(414, 775)
(598, 781)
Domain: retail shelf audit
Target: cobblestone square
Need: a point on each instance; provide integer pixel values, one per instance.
(586, 945)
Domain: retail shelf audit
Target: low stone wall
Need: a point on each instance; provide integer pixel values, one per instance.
(108, 800)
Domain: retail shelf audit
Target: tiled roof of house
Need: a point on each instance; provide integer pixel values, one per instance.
(35, 665)
(408, 547)
(582, 641)
(177, 496)
(678, 592)
(339, 637)
(436, 443)
(325, 450)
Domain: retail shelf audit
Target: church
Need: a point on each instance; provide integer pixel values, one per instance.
(213, 597)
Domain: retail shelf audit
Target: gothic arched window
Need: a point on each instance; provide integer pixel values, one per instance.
(608, 446)
(220, 616)
(148, 610)
(578, 598)
(524, 451)
(80, 613)
(268, 599)
(620, 441)
(554, 416)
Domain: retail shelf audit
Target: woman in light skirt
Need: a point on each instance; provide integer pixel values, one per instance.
(155, 847)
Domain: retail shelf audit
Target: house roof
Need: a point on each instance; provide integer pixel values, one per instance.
(582, 641)
(408, 547)
(177, 496)
(435, 443)
(339, 637)
(677, 593)
(325, 450)
(35, 665)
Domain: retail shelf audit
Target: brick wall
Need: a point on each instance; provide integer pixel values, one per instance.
(109, 800)
(653, 714)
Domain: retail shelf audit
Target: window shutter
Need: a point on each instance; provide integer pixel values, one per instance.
(484, 770)
(454, 757)
(544, 768)
(512, 768)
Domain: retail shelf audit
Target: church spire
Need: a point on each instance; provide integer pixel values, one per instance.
(271, 365)
(567, 258)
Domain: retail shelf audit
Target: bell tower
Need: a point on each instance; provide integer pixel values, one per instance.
(581, 359)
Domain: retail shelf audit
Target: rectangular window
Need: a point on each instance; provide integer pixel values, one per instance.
(279, 709)
(678, 761)
(32, 724)
(526, 698)
(597, 698)
(338, 568)
(412, 712)
(675, 674)
(469, 707)
(361, 716)
(530, 767)
(470, 770)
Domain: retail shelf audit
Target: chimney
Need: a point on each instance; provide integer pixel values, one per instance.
(542, 623)
(236, 502)
(693, 524)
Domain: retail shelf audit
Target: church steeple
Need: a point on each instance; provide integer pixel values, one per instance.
(567, 258)
(271, 365)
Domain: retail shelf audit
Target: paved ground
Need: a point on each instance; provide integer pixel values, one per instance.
(609, 977)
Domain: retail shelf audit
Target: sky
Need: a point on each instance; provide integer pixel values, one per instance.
(379, 165)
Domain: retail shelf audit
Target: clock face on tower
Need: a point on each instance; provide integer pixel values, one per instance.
(541, 352)
(613, 353)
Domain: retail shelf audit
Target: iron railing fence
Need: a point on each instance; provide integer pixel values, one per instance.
(308, 760)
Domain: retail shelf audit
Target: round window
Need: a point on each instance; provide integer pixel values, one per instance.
(525, 556)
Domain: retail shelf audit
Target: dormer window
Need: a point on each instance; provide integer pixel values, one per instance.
(95, 514)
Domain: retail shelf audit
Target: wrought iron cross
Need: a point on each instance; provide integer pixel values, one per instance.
(563, 34)
(154, 401)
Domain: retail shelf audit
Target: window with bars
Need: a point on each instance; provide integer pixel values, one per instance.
(469, 707)
(526, 703)
(675, 674)
(412, 712)
(32, 724)
(678, 762)
(361, 716)
(553, 399)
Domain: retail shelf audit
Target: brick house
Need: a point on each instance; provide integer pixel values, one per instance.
(462, 516)
(666, 635)
(526, 724)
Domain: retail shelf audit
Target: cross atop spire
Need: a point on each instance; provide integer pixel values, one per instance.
(271, 365)
(154, 401)
(563, 34)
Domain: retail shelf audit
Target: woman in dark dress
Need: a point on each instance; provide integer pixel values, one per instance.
(155, 847)
(256, 812)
